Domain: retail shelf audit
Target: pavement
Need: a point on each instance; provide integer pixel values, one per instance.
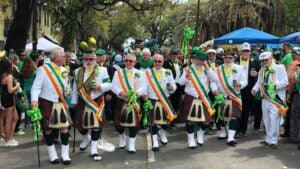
(214, 154)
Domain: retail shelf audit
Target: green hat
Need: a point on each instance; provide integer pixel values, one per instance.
(200, 55)
(195, 49)
(100, 52)
(297, 51)
(268, 49)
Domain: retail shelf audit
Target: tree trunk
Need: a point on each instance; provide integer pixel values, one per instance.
(18, 30)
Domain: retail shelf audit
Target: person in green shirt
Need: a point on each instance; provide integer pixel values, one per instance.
(287, 59)
(295, 106)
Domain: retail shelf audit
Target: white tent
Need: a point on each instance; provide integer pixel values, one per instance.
(43, 44)
(209, 42)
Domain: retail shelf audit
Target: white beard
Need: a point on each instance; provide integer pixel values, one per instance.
(228, 64)
(88, 66)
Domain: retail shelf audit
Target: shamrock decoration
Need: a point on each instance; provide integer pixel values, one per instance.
(137, 74)
(168, 72)
(64, 74)
(234, 70)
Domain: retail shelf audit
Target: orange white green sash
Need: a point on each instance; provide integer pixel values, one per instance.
(126, 87)
(155, 86)
(56, 83)
(229, 91)
(201, 91)
(279, 104)
(91, 104)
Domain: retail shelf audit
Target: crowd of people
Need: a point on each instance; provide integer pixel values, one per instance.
(151, 90)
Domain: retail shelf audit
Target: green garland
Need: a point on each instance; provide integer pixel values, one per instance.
(146, 64)
(36, 116)
(187, 35)
(219, 100)
(147, 108)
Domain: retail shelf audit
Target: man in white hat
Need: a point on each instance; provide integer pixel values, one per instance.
(146, 61)
(272, 81)
(250, 69)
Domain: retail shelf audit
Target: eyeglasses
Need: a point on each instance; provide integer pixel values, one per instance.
(263, 60)
(157, 61)
(130, 61)
(88, 59)
(245, 51)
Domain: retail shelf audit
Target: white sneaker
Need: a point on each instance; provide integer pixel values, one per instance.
(106, 146)
(10, 143)
(15, 142)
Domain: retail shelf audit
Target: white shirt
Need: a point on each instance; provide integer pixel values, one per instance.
(280, 80)
(165, 79)
(104, 86)
(239, 77)
(207, 79)
(42, 86)
(140, 86)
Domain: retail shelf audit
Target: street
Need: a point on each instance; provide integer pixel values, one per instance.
(214, 154)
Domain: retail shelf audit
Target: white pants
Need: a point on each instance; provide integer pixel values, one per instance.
(271, 119)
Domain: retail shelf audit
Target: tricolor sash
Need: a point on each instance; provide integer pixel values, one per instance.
(56, 83)
(277, 102)
(91, 104)
(155, 86)
(126, 87)
(224, 82)
(201, 91)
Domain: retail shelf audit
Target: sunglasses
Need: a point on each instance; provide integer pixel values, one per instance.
(228, 57)
(263, 60)
(245, 51)
(130, 61)
(88, 59)
(157, 61)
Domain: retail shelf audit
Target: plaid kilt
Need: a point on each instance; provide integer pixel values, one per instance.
(46, 109)
(78, 116)
(118, 113)
(187, 105)
(236, 112)
(151, 115)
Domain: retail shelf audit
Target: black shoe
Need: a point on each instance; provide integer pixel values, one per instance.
(56, 161)
(222, 138)
(285, 135)
(122, 147)
(155, 149)
(96, 157)
(273, 146)
(66, 162)
(264, 143)
(163, 143)
(232, 143)
(82, 149)
(200, 144)
(192, 147)
(131, 152)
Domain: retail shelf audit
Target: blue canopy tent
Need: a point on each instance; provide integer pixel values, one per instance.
(292, 38)
(250, 35)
